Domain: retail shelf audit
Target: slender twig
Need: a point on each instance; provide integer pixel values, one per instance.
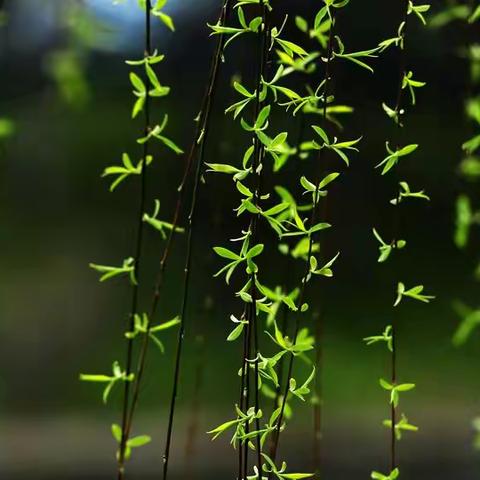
(318, 336)
(393, 409)
(289, 265)
(281, 362)
(195, 409)
(396, 221)
(250, 312)
(190, 231)
(199, 141)
(242, 454)
(318, 392)
(257, 161)
(138, 252)
(246, 366)
(315, 214)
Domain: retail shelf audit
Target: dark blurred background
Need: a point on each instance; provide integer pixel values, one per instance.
(64, 85)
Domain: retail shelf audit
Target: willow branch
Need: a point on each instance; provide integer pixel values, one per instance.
(291, 361)
(396, 221)
(199, 140)
(138, 251)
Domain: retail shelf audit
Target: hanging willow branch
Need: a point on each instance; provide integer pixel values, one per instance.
(201, 140)
(147, 328)
(284, 218)
(257, 168)
(406, 82)
(248, 432)
(316, 203)
(138, 251)
(145, 90)
(467, 16)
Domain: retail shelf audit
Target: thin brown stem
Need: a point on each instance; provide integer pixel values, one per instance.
(190, 231)
(248, 351)
(318, 395)
(393, 410)
(396, 227)
(251, 331)
(138, 252)
(195, 409)
(199, 140)
(289, 266)
(257, 162)
(327, 80)
(243, 397)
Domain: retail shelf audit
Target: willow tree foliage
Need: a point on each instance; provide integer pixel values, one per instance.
(66, 64)
(7, 126)
(289, 115)
(469, 167)
(146, 89)
(466, 17)
(296, 223)
(398, 151)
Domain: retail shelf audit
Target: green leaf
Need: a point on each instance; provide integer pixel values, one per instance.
(385, 385)
(328, 179)
(405, 387)
(255, 251)
(138, 441)
(222, 428)
(166, 325)
(307, 185)
(85, 377)
(414, 293)
(242, 90)
(262, 117)
(236, 332)
(407, 150)
(296, 476)
(7, 128)
(223, 168)
(117, 432)
(463, 221)
(137, 83)
(321, 132)
(291, 47)
(166, 19)
(301, 24)
(280, 139)
(225, 253)
(475, 15)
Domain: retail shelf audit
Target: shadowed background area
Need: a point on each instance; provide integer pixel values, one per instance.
(64, 84)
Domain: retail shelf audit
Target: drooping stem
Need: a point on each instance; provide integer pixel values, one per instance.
(256, 167)
(190, 232)
(199, 139)
(319, 321)
(138, 252)
(246, 366)
(243, 396)
(289, 265)
(393, 409)
(251, 332)
(198, 142)
(396, 220)
(195, 409)
(318, 393)
(315, 214)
